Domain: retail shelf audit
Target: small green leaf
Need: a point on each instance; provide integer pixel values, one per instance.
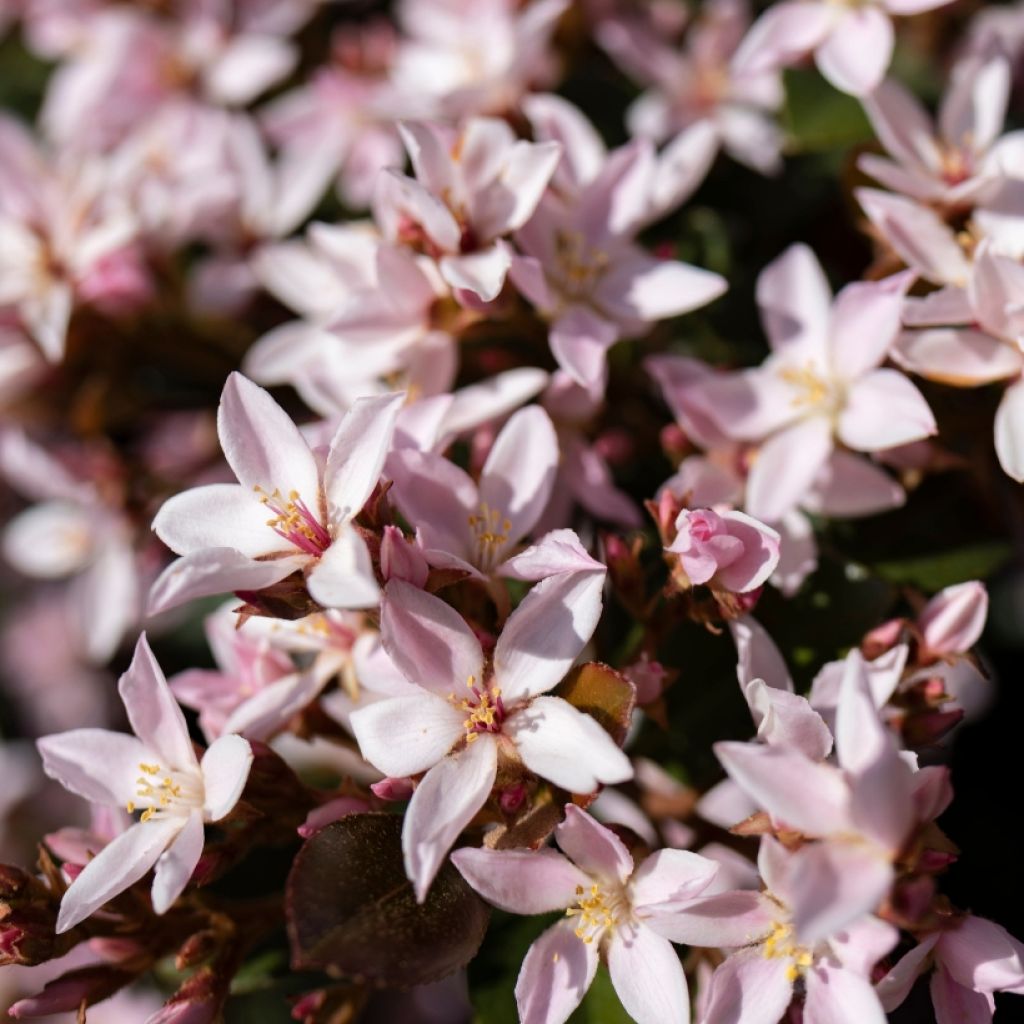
(352, 912)
(933, 572)
(819, 117)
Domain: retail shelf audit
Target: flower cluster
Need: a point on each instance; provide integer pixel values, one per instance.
(421, 420)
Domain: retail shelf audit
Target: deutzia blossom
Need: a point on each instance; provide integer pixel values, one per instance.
(731, 551)
(472, 714)
(155, 772)
(223, 533)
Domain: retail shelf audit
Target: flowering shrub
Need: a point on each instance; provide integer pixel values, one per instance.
(455, 398)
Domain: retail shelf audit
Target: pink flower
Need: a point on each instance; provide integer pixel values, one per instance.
(223, 533)
(468, 712)
(958, 158)
(584, 273)
(755, 985)
(970, 960)
(822, 383)
(852, 46)
(476, 526)
(155, 772)
(471, 190)
(629, 915)
(694, 92)
(730, 551)
(952, 621)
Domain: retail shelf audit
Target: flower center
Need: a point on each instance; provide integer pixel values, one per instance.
(162, 794)
(580, 265)
(598, 910)
(485, 710)
(294, 522)
(780, 943)
(812, 391)
(490, 531)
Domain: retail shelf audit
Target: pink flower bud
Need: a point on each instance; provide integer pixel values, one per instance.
(401, 559)
(648, 677)
(333, 810)
(953, 619)
(392, 789)
(729, 551)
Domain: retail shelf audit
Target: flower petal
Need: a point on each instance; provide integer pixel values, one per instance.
(175, 865)
(555, 976)
(483, 273)
(669, 877)
(96, 764)
(855, 55)
(428, 641)
(261, 443)
(1009, 431)
(343, 576)
(546, 633)
(225, 767)
(407, 735)
(566, 746)
(216, 516)
(443, 805)
(838, 996)
(865, 322)
(720, 920)
(884, 410)
(117, 866)
(786, 466)
(153, 712)
(749, 988)
(593, 848)
(852, 485)
(579, 340)
(794, 298)
(647, 976)
(522, 881)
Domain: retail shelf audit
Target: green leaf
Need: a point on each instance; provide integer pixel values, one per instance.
(818, 117)
(351, 910)
(933, 572)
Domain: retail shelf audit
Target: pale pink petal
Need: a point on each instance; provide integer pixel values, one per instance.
(215, 571)
(47, 314)
(343, 576)
(248, 65)
(559, 551)
(430, 154)
(795, 790)
(720, 920)
(579, 340)
(647, 976)
(397, 199)
(107, 599)
(919, 236)
(865, 322)
(903, 126)
(758, 559)
(519, 473)
(782, 35)
(855, 55)
(952, 621)
(590, 846)
(955, 1004)
(974, 107)
(941, 308)
(617, 201)
(749, 988)
(758, 657)
(216, 516)
(546, 633)
(511, 200)
(444, 803)
(862, 944)
(916, 184)
(1009, 431)
(153, 712)
(838, 996)
(798, 553)
(883, 410)
(175, 865)
(670, 877)
(994, 291)
(833, 884)
(583, 151)
(404, 736)
(522, 881)
(428, 640)
(786, 466)
(262, 445)
(648, 289)
(566, 746)
(962, 356)
(436, 496)
(786, 719)
(116, 867)
(268, 711)
(357, 453)
(225, 767)
(589, 479)
(852, 485)
(96, 764)
(683, 164)
(483, 273)
(894, 988)
(794, 298)
(50, 540)
(982, 955)
(555, 975)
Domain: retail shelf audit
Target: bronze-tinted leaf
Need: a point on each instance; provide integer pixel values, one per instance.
(603, 693)
(352, 912)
